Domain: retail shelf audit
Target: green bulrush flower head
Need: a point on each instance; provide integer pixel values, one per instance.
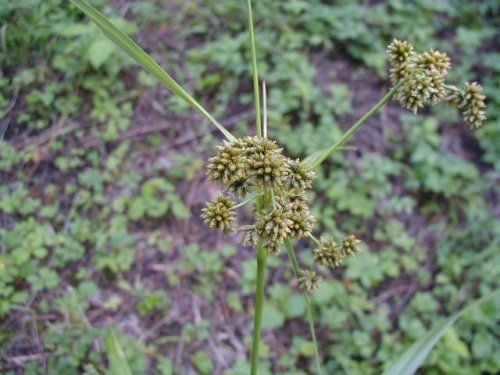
(350, 245)
(426, 74)
(299, 175)
(274, 225)
(433, 60)
(415, 92)
(266, 165)
(470, 102)
(293, 200)
(253, 163)
(220, 215)
(400, 53)
(228, 165)
(427, 83)
(250, 235)
(309, 281)
(259, 145)
(328, 253)
(302, 223)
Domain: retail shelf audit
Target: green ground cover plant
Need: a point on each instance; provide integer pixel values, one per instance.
(460, 184)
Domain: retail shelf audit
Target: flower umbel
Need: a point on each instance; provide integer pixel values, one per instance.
(399, 52)
(425, 75)
(220, 215)
(299, 175)
(470, 102)
(328, 253)
(350, 245)
(227, 166)
(309, 281)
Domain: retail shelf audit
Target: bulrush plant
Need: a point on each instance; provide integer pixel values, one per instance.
(255, 171)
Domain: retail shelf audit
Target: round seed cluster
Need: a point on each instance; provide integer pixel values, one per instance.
(331, 255)
(425, 76)
(256, 164)
(470, 102)
(220, 215)
(399, 52)
(309, 281)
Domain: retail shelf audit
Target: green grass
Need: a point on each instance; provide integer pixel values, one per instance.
(81, 160)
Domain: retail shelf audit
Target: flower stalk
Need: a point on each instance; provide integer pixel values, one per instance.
(259, 304)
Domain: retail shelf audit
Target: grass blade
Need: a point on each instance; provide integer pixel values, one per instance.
(310, 317)
(413, 358)
(255, 72)
(117, 360)
(145, 60)
(315, 159)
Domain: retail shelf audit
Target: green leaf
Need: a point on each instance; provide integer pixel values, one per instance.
(413, 358)
(296, 306)
(146, 61)
(100, 51)
(272, 317)
(203, 363)
(118, 361)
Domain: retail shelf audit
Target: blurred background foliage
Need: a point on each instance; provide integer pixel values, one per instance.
(102, 182)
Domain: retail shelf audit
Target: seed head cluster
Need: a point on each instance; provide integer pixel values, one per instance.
(220, 215)
(309, 281)
(254, 164)
(331, 255)
(470, 102)
(425, 75)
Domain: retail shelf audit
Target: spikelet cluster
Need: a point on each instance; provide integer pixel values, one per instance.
(220, 214)
(309, 281)
(256, 165)
(331, 255)
(425, 75)
(470, 102)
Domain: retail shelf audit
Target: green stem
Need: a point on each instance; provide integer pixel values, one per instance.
(311, 236)
(310, 317)
(327, 152)
(249, 199)
(259, 303)
(255, 72)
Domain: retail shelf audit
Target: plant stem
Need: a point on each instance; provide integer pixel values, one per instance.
(310, 317)
(327, 152)
(259, 303)
(248, 200)
(255, 72)
(311, 236)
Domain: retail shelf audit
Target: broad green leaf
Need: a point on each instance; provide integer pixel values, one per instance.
(118, 361)
(146, 61)
(100, 51)
(203, 362)
(413, 358)
(272, 317)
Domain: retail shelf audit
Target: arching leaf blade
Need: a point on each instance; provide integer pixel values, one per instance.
(146, 61)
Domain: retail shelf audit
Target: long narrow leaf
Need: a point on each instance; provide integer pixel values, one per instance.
(255, 72)
(413, 358)
(145, 60)
(117, 360)
(318, 157)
